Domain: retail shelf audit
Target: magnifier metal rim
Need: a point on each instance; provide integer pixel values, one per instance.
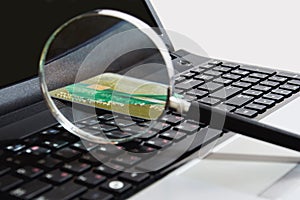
(110, 13)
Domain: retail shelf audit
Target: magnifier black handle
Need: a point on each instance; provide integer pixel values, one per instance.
(243, 126)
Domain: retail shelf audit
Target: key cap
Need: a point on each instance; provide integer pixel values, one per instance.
(109, 171)
(266, 102)
(210, 101)
(172, 119)
(4, 170)
(179, 80)
(214, 62)
(8, 182)
(108, 149)
(213, 73)
(118, 134)
(242, 85)
(274, 97)
(96, 195)
(239, 100)
(188, 85)
(261, 88)
(211, 87)
(95, 161)
(293, 88)
(173, 135)
(240, 72)
(258, 69)
(257, 107)
(188, 75)
(223, 81)
(121, 123)
(250, 80)
(90, 179)
(253, 93)
(285, 93)
(226, 93)
(57, 177)
(50, 132)
(49, 163)
(135, 178)
(231, 76)
(55, 144)
(231, 65)
(258, 75)
(272, 84)
(203, 77)
(127, 160)
(67, 191)
(158, 143)
(84, 146)
(187, 127)
(189, 98)
(205, 66)
(37, 151)
(30, 190)
(116, 186)
(161, 127)
(222, 69)
(294, 82)
(75, 167)
(289, 75)
(107, 117)
(89, 122)
(197, 70)
(246, 112)
(67, 154)
(197, 93)
(29, 172)
(15, 148)
(278, 79)
(104, 128)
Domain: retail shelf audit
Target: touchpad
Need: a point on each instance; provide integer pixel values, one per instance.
(286, 118)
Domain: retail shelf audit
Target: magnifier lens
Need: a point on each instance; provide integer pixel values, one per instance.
(105, 76)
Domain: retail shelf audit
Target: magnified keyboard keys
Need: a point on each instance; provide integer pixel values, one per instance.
(239, 100)
(96, 195)
(274, 97)
(272, 84)
(293, 88)
(285, 93)
(294, 82)
(30, 190)
(261, 88)
(226, 92)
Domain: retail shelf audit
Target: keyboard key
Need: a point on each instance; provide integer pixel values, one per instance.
(293, 88)
(253, 93)
(210, 101)
(289, 75)
(197, 93)
(49, 163)
(84, 146)
(109, 171)
(29, 172)
(294, 82)
(231, 65)
(213, 73)
(89, 158)
(173, 135)
(57, 177)
(242, 85)
(161, 127)
(258, 75)
(225, 107)
(203, 77)
(211, 87)
(55, 144)
(222, 69)
(107, 117)
(158, 143)
(118, 134)
(285, 93)
(261, 88)
(188, 127)
(67, 191)
(223, 81)
(197, 70)
(8, 182)
(172, 119)
(30, 190)
(214, 62)
(240, 72)
(104, 128)
(121, 123)
(96, 195)
(127, 160)
(250, 80)
(270, 83)
(75, 167)
(37, 151)
(188, 75)
(67, 154)
(258, 69)
(90, 179)
(89, 122)
(188, 85)
(179, 80)
(135, 178)
(226, 92)
(4, 170)
(231, 76)
(239, 101)
(189, 98)
(206, 66)
(274, 97)
(116, 186)
(246, 112)
(257, 107)
(266, 102)
(108, 149)
(278, 79)
(50, 132)
(15, 148)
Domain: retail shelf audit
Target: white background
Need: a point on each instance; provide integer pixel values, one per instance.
(261, 32)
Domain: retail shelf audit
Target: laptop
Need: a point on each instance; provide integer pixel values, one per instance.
(41, 160)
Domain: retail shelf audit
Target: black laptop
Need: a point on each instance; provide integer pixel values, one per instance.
(41, 160)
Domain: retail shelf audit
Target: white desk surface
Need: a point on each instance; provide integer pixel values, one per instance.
(255, 32)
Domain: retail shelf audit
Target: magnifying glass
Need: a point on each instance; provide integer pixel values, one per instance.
(105, 71)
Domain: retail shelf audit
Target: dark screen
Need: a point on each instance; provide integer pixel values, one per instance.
(26, 25)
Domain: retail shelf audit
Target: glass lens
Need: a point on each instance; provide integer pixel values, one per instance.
(106, 76)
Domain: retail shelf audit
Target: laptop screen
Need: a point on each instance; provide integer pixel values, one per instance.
(26, 25)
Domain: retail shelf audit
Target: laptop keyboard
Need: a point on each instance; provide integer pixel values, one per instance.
(54, 164)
